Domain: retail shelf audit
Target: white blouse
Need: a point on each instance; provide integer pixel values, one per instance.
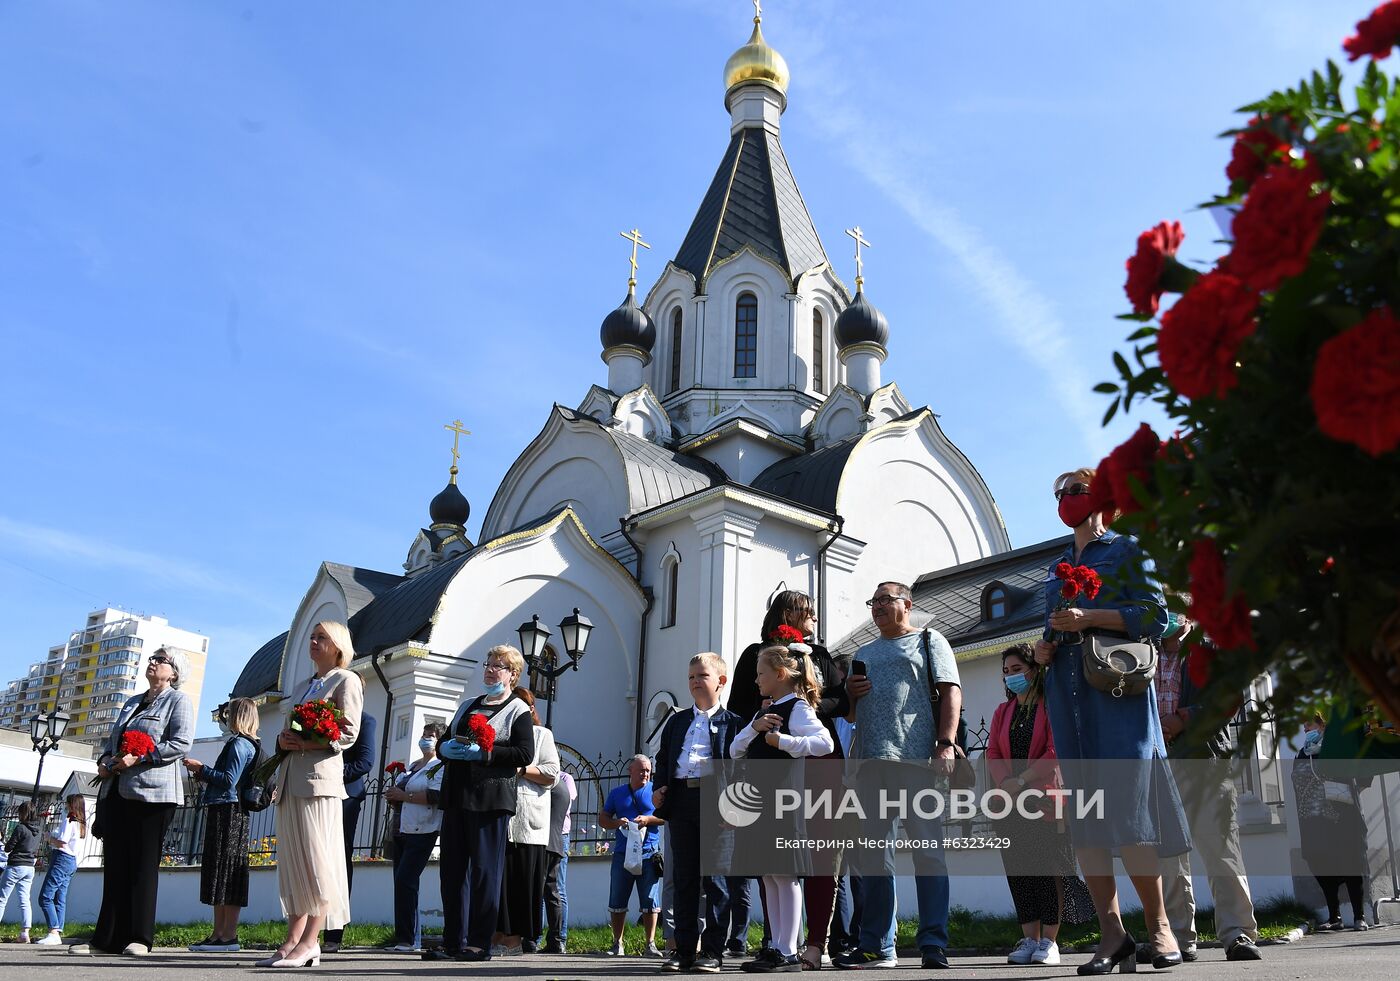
(806, 736)
(420, 819)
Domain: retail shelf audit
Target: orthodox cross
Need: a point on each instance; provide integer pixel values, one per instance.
(859, 236)
(457, 433)
(635, 237)
(757, 11)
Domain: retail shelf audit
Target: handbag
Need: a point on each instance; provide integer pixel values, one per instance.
(254, 796)
(963, 777)
(1118, 664)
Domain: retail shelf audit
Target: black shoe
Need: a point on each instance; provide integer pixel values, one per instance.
(767, 961)
(1163, 961)
(1124, 959)
(1189, 955)
(736, 950)
(1242, 949)
(553, 947)
(529, 947)
(935, 957)
(707, 964)
(674, 963)
(472, 956)
(1333, 924)
(1147, 954)
(438, 954)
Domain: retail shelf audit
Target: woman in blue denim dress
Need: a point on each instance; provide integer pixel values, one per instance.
(1142, 819)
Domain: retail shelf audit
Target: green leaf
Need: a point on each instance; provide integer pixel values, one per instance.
(1142, 332)
(1112, 411)
(1121, 363)
(1107, 388)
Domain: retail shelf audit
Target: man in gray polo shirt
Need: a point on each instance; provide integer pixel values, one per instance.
(897, 722)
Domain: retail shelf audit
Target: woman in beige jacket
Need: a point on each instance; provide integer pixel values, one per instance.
(310, 830)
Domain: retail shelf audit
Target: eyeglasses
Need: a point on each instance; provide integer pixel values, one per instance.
(160, 659)
(1074, 490)
(497, 667)
(881, 601)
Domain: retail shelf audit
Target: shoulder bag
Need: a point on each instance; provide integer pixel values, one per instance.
(964, 777)
(1117, 664)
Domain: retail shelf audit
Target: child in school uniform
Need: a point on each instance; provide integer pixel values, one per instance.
(690, 743)
(787, 729)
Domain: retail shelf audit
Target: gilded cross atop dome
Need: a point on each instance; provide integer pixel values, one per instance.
(756, 61)
(635, 237)
(859, 236)
(458, 431)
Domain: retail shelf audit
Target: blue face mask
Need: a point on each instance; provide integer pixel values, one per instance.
(1312, 740)
(498, 688)
(426, 744)
(1018, 684)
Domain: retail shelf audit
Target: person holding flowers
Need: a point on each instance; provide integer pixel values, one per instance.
(488, 740)
(323, 723)
(416, 818)
(1103, 582)
(141, 786)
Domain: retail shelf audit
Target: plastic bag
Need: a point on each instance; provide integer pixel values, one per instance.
(632, 861)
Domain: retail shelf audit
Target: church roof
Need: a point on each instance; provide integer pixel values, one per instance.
(361, 586)
(753, 201)
(811, 479)
(404, 612)
(654, 473)
(261, 672)
(950, 600)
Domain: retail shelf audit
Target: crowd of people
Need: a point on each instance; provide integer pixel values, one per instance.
(488, 791)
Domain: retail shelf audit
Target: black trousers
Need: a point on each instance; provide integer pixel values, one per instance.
(1332, 892)
(683, 827)
(133, 833)
(556, 903)
(471, 862)
(350, 813)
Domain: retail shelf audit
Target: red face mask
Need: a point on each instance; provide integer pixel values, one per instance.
(1075, 509)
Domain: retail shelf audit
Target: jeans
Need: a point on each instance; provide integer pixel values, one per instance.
(556, 896)
(621, 882)
(410, 859)
(53, 895)
(877, 921)
(21, 877)
(845, 925)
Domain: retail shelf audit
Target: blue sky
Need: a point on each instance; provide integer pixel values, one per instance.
(254, 255)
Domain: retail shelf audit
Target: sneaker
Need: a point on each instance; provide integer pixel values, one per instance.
(497, 950)
(675, 963)
(616, 950)
(1361, 925)
(400, 949)
(136, 950)
(707, 964)
(936, 958)
(553, 947)
(1046, 952)
(652, 951)
(859, 960)
(736, 950)
(516, 951)
(1023, 951)
(1242, 949)
(52, 939)
(1334, 924)
(768, 961)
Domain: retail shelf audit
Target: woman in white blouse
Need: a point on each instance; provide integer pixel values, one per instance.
(522, 886)
(418, 821)
(63, 862)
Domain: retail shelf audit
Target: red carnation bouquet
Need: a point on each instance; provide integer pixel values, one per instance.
(395, 768)
(480, 733)
(1076, 580)
(786, 635)
(134, 742)
(316, 721)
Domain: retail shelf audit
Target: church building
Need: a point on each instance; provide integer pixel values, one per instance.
(743, 440)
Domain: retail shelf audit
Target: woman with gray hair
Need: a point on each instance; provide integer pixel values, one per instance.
(139, 794)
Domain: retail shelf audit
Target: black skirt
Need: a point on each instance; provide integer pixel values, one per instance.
(522, 891)
(223, 880)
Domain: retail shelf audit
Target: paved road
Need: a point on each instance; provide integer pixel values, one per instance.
(1329, 957)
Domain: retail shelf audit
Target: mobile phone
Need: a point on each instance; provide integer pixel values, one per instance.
(858, 667)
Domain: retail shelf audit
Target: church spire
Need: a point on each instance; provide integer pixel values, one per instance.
(628, 334)
(862, 331)
(449, 509)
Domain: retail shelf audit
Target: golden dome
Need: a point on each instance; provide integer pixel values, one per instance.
(756, 62)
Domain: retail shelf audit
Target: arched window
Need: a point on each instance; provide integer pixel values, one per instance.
(995, 602)
(818, 348)
(746, 336)
(671, 585)
(675, 351)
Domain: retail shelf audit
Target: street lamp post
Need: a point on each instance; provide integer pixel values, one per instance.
(44, 732)
(541, 658)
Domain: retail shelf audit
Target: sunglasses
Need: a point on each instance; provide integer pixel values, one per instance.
(1075, 490)
(160, 659)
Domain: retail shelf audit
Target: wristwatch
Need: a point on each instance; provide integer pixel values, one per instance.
(944, 742)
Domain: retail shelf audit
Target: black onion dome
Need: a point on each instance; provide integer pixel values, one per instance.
(861, 323)
(628, 324)
(450, 507)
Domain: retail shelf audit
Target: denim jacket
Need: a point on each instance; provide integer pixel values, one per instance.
(1133, 592)
(222, 780)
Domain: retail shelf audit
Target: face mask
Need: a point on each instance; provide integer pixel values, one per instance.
(498, 688)
(1018, 684)
(223, 727)
(1312, 741)
(426, 744)
(1075, 509)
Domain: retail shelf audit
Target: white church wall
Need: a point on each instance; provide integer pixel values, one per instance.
(746, 273)
(550, 574)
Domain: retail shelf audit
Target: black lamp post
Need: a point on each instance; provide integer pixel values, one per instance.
(44, 732)
(540, 657)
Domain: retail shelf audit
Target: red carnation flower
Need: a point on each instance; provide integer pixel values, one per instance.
(785, 634)
(480, 732)
(1356, 384)
(395, 768)
(1225, 618)
(134, 742)
(1278, 226)
(1254, 150)
(1101, 491)
(1154, 247)
(1070, 589)
(1064, 571)
(1202, 333)
(1377, 34)
(1198, 664)
(1089, 581)
(1133, 458)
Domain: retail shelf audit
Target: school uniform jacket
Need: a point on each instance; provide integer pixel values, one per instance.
(724, 726)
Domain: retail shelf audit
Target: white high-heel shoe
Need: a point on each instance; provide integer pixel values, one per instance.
(277, 955)
(312, 959)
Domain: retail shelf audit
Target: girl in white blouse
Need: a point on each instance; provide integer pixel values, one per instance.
(787, 729)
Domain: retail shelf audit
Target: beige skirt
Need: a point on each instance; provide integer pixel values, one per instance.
(311, 875)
